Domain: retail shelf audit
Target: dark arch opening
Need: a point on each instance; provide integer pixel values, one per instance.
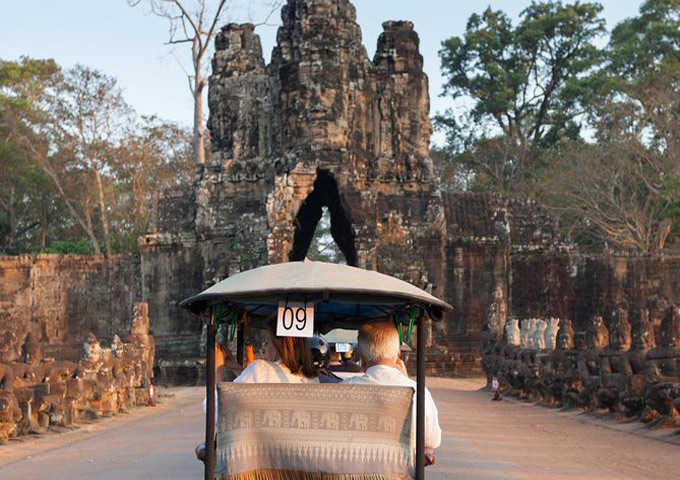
(325, 194)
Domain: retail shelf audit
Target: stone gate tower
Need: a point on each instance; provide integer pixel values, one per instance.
(323, 125)
(320, 126)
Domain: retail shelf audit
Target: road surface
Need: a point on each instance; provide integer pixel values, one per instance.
(482, 440)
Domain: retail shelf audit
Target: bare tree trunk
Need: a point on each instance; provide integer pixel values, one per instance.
(102, 211)
(11, 244)
(44, 164)
(44, 226)
(90, 229)
(199, 138)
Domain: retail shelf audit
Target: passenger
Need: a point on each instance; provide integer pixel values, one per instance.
(334, 365)
(344, 363)
(321, 356)
(379, 355)
(348, 361)
(284, 360)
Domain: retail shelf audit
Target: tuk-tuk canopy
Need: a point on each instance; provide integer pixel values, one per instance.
(344, 296)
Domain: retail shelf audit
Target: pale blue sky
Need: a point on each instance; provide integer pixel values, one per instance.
(124, 42)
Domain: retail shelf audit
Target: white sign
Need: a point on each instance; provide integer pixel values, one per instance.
(342, 347)
(295, 319)
(494, 384)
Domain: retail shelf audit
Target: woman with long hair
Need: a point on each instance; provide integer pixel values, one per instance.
(284, 360)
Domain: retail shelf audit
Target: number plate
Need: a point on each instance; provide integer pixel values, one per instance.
(295, 319)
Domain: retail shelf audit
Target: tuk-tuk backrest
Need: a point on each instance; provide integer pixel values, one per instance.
(321, 431)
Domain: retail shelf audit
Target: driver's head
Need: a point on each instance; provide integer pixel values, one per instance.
(321, 354)
(378, 343)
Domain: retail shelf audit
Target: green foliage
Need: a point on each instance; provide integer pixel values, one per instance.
(77, 160)
(323, 247)
(525, 83)
(81, 247)
(535, 87)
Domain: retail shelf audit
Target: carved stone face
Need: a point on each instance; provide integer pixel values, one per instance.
(579, 341)
(619, 330)
(597, 335)
(31, 350)
(93, 349)
(670, 328)
(551, 333)
(565, 340)
(642, 331)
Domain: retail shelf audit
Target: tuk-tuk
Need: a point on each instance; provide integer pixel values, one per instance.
(308, 297)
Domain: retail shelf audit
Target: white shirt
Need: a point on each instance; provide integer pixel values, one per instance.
(263, 371)
(385, 375)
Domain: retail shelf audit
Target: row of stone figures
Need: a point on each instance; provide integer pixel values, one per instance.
(37, 393)
(613, 366)
(534, 333)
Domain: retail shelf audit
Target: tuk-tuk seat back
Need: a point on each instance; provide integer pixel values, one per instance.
(314, 432)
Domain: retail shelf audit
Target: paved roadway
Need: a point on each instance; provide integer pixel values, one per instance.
(482, 440)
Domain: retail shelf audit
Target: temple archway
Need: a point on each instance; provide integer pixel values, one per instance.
(324, 194)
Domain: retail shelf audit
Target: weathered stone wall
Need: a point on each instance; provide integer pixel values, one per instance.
(62, 298)
(324, 125)
(320, 126)
(39, 393)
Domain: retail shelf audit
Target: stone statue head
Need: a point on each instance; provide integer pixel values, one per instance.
(539, 334)
(670, 327)
(642, 331)
(9, 347)
(531, 326)
(512, 332)
(524, 333)
(92, 347)
(657, 306)
(565, 336)
(551, 333)
(140, 321)
(619, 330)
(117, 347)
(597, 335)
(31, 350)
(580, 341)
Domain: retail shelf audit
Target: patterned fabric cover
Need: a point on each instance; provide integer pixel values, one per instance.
(275, 431)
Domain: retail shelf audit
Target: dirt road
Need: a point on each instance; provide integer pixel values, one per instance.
(513, 440)
(482, 440)
(150, 442)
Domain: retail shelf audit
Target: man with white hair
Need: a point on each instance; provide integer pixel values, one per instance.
(379, 354)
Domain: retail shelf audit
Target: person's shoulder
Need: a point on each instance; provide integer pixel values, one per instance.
(357, 379)
(255, 371)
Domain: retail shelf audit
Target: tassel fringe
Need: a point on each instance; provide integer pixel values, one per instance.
(297, 475)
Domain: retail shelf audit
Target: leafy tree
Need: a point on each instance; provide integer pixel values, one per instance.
(624, 191)
(77, 160)
(90, 116)
(28, 210)
(323, 247)
(524, 83)
(155, 156)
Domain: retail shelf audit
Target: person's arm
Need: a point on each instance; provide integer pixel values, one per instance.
(229, 361)
(433, 432)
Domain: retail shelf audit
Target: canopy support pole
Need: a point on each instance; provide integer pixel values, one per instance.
(240, 337)
(210, 398)
(420, 399)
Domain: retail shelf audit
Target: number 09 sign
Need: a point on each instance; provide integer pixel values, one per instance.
(295, 319)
